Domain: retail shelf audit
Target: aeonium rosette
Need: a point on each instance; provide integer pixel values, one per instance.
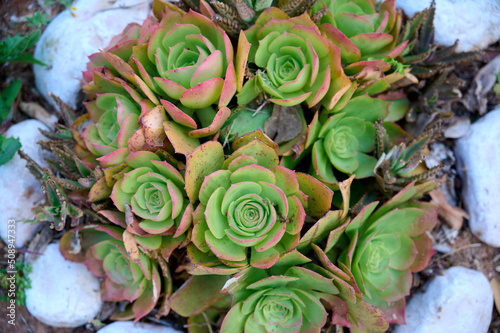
(151, 201)
(383, 247)
(251, 209)
(126, 277)
(295, 62)
(193, 59)
(184, 57)
(115, 118)
(137, 282)
(360, 30)
(296, 295)
(366, 34)
(288, 302)
(343, 141)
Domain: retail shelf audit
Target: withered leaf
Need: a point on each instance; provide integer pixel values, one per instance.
(131, 246)
(452, 215)
(284, 124)
(482, 84)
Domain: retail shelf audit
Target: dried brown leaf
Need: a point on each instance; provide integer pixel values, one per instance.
(482, 84)
(452, 215)
(131, 246)
(35, 110)
(284, 124)
(495, 287)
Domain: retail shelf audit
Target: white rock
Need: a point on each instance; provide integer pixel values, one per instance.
(458, 128)
(131, 327)
(19, 189)
(460, 301)
(478, 161)
(475, 23)
(74, 35)
(63, 293)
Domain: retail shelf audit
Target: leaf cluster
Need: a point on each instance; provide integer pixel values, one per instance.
(14, 48)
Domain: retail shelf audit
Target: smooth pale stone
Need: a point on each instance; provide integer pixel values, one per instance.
(458, 128)
(478, 164)
(63, 293)
(75, 34)
(19, 190)
(131, 327)
(475, 23)
(460, 301)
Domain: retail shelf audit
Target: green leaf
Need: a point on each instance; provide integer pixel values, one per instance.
(13, 46)
(38, 19)
(8, 147)
(9, 94)
(26, 57)
(197, 294)
(398, 67)
(7, 97)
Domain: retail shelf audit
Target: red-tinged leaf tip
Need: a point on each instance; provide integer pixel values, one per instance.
(201, 162)
(219, 120)
(203, 94)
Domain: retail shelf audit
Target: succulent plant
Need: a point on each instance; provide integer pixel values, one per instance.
(344, 140)
(179, 70)
(234, 218)
(295, 63)
(132, 276)
(397, 164)
(432, 64)
(183, 57)
(251, 209)
(193, 60)
(284, 303)
(149, 194)
(366, 39)
(233, 16)
(58, 206)
(115, 118)
(295, 295)
(383, 247)
(137, 282)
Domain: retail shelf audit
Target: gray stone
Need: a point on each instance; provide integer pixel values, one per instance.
(460, 301)
(475, 23)
(74, 35)
(478, 161)
(131, 327)
(20, 191)
(63, 293)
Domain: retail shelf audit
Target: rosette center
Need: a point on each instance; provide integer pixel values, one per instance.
(378, 259)
(249, 215)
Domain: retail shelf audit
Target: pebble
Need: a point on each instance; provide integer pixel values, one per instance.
(20, 190)
(459, 301)
(131, 327)
(63, 293)
(478, 161)
(458, 127)
(75, 34)
(475, 23)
